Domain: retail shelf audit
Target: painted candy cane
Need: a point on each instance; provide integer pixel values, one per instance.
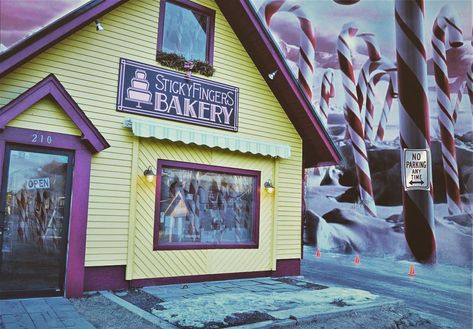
(446, 22)
(326, 92)
(383, 121)
(371, 72)
(458, 101)
(469, 84)
(353, 117)
(307, 43)
(418, 210)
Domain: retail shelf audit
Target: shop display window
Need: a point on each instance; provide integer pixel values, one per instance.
(205, 207)
(186, 29)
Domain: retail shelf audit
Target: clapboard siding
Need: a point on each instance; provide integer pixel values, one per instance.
(87, 63)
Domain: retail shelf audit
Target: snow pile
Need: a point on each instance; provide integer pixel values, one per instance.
(217, 308)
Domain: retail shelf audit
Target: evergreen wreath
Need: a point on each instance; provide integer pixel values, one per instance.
(176, 62)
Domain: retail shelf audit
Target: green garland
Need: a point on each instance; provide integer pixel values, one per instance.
(176, 62)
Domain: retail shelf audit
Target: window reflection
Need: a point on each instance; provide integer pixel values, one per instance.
(185, 32)
(206, 207)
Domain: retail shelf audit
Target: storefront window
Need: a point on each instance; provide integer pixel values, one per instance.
(186, 29)
(206, 207)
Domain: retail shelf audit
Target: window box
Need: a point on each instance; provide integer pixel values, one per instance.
(187, 29)
(205, 207)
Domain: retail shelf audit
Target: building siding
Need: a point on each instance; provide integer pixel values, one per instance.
(86, 63)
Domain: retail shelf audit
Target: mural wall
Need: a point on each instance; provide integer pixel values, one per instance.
(382, 83)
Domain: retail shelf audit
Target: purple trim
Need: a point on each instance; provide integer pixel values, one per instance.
(105, 277)
(50, 86)
(79, 196)
(113, 277)
(318, 146)
(78, 224)
(226, 170)
(45, 41)
(287, 267)
(210, 13)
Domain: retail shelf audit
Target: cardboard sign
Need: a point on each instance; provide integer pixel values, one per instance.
(37, 183)
(153, 91)
(416, 169)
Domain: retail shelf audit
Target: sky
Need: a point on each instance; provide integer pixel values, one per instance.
(21, 18)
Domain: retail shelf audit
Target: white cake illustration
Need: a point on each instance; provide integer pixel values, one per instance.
(138, 92)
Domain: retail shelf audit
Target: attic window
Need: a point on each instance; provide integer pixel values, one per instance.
(187, 29)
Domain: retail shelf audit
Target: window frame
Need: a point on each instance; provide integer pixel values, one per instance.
(210, 13)
(254, 244)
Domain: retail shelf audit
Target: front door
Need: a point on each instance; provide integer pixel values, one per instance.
(34, 221)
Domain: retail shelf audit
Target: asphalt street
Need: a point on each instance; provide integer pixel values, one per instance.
(443, 293)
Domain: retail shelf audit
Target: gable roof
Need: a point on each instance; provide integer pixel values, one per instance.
(50, 86)
(318, 148)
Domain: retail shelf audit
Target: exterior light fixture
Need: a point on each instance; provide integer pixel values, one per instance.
(98, 25)
(149, 174)
(188, 66)
(272, 75)
(268, 185)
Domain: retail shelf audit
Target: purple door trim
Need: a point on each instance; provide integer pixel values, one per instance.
(74, 284)
(50, 86)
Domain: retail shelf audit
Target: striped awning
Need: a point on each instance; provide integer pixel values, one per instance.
(167, 131)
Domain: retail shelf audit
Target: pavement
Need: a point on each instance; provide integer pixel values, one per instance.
(258, 303)
(41, 313)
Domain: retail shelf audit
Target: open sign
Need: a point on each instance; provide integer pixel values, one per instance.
(37, 183)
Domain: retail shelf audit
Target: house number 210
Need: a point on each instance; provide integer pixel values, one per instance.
(40, 139)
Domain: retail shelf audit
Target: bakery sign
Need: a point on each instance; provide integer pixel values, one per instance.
(156, 92)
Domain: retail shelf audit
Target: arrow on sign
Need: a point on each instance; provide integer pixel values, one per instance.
(421, 182)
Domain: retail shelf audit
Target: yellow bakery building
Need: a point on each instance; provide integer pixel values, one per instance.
(147, 142)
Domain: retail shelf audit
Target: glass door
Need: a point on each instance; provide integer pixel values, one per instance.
(34, 221)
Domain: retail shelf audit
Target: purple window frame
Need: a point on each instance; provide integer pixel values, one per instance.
(157, 245)
(210, 13)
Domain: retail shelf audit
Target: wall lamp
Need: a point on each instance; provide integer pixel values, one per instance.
(98, 25)
(272, 75)
(149, 174)
(268, 186)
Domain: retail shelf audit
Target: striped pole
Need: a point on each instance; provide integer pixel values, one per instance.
(355, 127)
(446, 22)
(469, 84)
(307, 42)
(418, 205)
(458, 101)
(383, 121)
(326, 92)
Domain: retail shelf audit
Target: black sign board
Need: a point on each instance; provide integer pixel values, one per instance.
(152, 91)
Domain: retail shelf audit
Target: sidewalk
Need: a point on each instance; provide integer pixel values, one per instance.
(253, 304)
(40, 313)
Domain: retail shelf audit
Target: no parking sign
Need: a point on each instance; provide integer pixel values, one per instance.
(416, 169)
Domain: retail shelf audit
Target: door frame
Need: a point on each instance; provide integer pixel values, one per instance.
(78, 209)
(67, 207)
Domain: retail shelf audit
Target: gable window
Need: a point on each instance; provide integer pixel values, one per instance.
(205, 207)
(187, 29)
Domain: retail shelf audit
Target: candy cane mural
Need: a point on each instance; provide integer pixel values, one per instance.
(446, 22)
(414, 122)
(383, 121)
(469, 84)
(307, 43)
(353, 116)
(458, 101)
(326, 92)
(372, 71)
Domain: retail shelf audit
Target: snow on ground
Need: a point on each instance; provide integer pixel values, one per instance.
(215, 308)
(342, 227)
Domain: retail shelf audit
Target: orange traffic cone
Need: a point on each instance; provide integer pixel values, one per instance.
(357, 260)
(412, 271)
(317, 253)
